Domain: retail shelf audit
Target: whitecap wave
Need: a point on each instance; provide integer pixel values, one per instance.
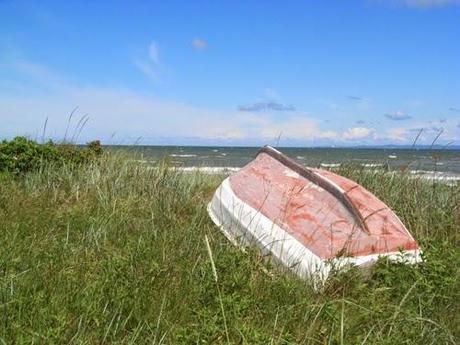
(182, 155)
(449, 178)
(330, 165)
(372, 165)
(210, 170)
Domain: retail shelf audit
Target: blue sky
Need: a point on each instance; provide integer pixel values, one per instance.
(232, 72)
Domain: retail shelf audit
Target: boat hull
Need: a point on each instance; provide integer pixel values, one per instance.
(309, 220)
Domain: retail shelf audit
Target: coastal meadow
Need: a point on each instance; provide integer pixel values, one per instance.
(110, 250)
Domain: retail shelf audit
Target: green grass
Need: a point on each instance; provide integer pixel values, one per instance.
(115, 252)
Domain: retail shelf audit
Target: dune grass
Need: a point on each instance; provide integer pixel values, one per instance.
(116, 252)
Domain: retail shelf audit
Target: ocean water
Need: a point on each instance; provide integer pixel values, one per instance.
(415, 160)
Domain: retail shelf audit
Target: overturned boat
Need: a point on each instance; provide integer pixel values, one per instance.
(310, 220)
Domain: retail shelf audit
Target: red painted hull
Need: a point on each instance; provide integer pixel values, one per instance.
(329, 215)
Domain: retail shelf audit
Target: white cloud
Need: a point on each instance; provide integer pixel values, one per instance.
(396, 134)
(398, 116)
(357, 133)
(132, 115)
(199, 43)
(425, 130)
(150, 66)
(154, 53)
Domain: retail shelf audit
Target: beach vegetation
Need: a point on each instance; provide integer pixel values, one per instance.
(113, 251)
(21, 155)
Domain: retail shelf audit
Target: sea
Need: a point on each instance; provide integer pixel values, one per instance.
(435, 163)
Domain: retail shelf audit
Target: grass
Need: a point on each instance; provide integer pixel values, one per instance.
(115, 252)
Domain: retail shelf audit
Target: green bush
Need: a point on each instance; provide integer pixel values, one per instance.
(22, 155)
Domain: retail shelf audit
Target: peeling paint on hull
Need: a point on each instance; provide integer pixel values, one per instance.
(309, 220)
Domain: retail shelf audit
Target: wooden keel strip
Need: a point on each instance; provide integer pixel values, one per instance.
(321, 181)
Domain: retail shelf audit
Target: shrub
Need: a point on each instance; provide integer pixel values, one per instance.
(22, 155)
